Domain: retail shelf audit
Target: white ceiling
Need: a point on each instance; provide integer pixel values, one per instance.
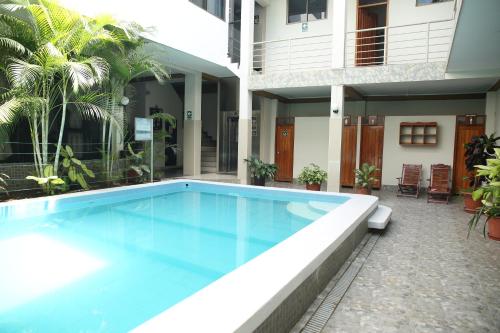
(304, 92)
(441, 87)
(181, 62)
(476, 45)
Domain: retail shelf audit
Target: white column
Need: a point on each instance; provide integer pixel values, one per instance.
(492, 112)
(192, 125)
(268, 110)
(338, 35)
(335, 138)
(245, 98)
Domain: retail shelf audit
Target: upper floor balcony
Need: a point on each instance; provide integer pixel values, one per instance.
(389, 45)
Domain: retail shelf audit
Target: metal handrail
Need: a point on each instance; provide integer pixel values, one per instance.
(408, 44)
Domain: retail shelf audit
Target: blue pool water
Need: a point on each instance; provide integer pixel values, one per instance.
(108, 262)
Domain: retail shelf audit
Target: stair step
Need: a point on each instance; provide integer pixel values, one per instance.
(303, 210)
(208, 158)
(210, 164)
(208, 148)
(322, 206)
(208, 169)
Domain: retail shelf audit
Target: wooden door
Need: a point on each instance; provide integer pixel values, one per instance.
(365, 40)
(463, 134)
(283, 155)
(372, 149)
(348, 161)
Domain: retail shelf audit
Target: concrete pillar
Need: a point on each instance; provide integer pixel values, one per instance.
(192, 125)
(268, 111)
(245, 97)
(338, 33)
(492, 112)
(335, 138)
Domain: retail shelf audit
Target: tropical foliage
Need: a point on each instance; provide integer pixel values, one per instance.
(365, 176)
(312, 174)
(137, 164)
(48, 181)
(3, 183)
(489, 193)
(477, 152)
(55, 61)
(75, 169)
(259, 169)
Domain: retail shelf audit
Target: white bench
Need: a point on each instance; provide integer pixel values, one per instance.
(380, 218)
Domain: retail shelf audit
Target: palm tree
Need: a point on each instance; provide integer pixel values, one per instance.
(51, 69)
(125, 64)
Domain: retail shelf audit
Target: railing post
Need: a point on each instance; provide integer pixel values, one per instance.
(386, 41)
(428, 37)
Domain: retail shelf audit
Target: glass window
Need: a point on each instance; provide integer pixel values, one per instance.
(428, 2)
(214, 7)
(306, 10)
(316, 10)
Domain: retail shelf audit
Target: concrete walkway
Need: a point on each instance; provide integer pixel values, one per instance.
(423, 275)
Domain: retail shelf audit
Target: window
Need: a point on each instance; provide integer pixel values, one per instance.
(306, 10)
(214, 7)
(428, 2)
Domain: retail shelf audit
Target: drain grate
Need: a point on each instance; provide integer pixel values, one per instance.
(346, 275)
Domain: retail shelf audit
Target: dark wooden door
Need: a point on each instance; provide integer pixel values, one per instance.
(283, 155)
(348, 161)
(366, 40)
(372, 149)
(464, 133)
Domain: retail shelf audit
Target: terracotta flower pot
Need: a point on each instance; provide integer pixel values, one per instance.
(494, 228)
(363, 190)
(313, 187)
(470, 205)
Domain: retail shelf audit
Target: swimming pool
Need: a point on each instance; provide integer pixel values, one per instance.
(119, 259)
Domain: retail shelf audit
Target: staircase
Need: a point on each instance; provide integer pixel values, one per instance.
(208, 154)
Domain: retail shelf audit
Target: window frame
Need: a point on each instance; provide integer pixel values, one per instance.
(429, 4)
(206, 10)
(287, 16)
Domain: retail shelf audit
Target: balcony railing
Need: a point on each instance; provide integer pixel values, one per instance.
(294, 54)
(416, 43)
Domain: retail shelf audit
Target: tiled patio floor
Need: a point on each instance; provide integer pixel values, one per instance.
(423, 275)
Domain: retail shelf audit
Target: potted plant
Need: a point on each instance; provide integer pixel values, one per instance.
(137, 170)
(476, 153)
(489, 194)
(260, 171)
(365, 178)
(312, 176)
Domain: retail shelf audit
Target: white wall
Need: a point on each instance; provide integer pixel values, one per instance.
(203, 34)
(396, 155)
(311, 143)
(407, 35)
(297, 54)
(403, 12)
(276, 16)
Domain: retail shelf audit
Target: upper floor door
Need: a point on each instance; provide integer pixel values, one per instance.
(370, 38)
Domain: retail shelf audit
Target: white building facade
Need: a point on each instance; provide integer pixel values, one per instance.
(328, 82)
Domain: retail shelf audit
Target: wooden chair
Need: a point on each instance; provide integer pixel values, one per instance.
(409, 182)
(439, 189)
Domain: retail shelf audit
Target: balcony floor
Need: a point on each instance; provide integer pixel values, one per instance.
(422, 275)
